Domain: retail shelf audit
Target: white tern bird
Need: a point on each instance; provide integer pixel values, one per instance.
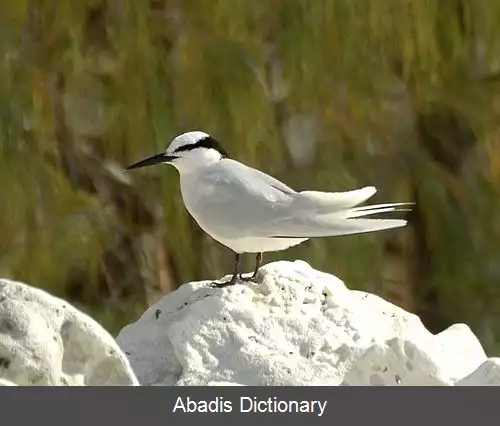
(249, 211)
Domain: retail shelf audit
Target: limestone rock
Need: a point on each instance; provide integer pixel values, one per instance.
(487, 374)
(46, 341)
(296, 326)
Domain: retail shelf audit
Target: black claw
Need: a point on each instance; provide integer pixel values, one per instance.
(232, 281)
(247, 279)
(220, 285)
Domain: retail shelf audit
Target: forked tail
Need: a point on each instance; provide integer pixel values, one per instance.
(346, 221)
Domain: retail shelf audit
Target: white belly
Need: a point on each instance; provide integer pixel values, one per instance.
(258, 245)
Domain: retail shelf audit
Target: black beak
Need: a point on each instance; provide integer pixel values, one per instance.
(151, 161)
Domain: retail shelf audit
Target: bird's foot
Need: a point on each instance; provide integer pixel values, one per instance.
(216, 284)
(252, 278)
(232, 281)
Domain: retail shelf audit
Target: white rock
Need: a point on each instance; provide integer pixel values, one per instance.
(487, 374)
(297, 326)
(4, 382)
(222, 384)
(427, 360)
(46, 341)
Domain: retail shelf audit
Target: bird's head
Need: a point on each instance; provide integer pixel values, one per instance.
(187, 152)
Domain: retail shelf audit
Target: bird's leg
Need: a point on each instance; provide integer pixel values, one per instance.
(258, 262)
(234, 278)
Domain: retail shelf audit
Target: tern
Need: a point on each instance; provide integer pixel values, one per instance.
(249, 211)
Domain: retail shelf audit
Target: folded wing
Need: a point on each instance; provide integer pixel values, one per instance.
(332, 214)
(329, 202)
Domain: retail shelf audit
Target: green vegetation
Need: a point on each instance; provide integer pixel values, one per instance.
(323, 94)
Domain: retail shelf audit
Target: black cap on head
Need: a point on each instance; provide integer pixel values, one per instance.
(205, 142)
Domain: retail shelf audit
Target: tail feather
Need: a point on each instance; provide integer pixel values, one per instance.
(328, 227)
(361, 226)
(375, 209)
(352, 214)
(343, 222)
(328, 214)
(384, 205)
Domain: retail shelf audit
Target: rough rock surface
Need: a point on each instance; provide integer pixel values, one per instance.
(487, 374)
(46, 341)
(296, 326)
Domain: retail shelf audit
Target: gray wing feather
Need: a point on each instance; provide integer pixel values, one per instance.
(237, 200)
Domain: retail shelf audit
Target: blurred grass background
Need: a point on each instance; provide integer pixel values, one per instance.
(323, 94)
